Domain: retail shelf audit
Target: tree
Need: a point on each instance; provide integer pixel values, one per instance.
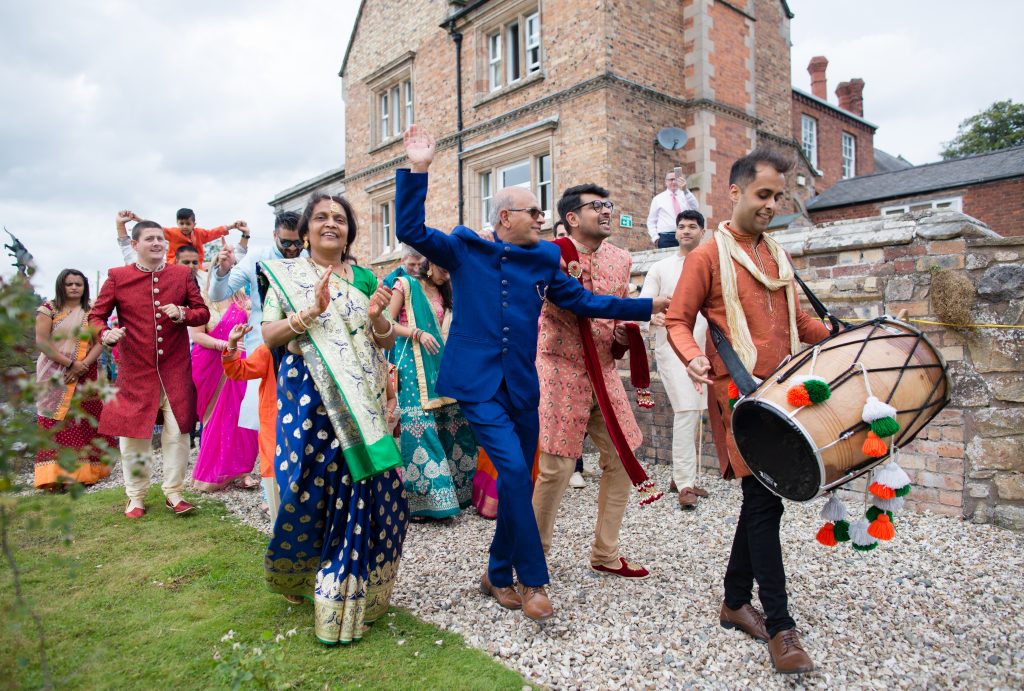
(999, 126)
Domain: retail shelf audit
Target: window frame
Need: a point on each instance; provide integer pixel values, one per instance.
(809, 126)
(954, 203)
(392, 94)
(848, 168)
(511, 44)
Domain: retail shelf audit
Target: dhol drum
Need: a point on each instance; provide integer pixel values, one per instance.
(800, 452)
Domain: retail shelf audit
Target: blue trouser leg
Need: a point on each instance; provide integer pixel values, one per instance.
(510, 438)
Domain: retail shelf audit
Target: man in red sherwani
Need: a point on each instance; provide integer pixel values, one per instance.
(568, 404)
(155, 304)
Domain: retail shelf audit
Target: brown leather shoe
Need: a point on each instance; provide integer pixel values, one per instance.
(687, 499)
(746, 619)
(507, 597)
(699, 491)
(787, 653)
(536, 604)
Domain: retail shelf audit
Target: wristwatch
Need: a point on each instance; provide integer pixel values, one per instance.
(245, 236)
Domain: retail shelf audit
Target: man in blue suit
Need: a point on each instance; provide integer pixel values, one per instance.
(499, 282)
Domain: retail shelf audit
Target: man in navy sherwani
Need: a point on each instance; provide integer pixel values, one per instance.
(499, 281)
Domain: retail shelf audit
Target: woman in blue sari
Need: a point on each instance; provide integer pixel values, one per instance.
(338, 535)
(439, 451)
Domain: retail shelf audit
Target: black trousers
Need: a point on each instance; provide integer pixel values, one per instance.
(757, 556)
(667, 240)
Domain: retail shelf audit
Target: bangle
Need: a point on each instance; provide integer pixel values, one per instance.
(302, 320)
(387, 332)
(292, 326)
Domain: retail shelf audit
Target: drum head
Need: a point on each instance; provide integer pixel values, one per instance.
(777, 450)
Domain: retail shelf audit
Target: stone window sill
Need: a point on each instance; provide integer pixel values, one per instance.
(538, 76)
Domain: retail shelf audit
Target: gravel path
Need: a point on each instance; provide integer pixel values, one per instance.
(940, 606)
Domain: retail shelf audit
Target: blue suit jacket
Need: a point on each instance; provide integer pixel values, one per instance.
(498, 289)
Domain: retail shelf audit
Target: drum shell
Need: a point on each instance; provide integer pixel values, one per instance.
(799, 453)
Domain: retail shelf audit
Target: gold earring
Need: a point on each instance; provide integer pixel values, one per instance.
(430, 272)
(305, 243)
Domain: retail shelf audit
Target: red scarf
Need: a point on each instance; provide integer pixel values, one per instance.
(639, 374)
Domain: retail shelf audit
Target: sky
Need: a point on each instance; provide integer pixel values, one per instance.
(152, 106)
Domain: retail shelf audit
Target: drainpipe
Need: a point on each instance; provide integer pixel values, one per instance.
(457, 37)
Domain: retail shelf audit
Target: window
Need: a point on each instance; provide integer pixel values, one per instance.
(954, 203)
(809, 138)
(532, 173)
(849, 155)
(395, 108)
(392, 100)
(384, 241)
(513, 50)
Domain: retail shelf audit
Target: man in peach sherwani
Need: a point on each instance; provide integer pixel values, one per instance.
(568, 407)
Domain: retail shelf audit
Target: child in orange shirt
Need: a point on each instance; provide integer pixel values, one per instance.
(259, 364)
(186, 233)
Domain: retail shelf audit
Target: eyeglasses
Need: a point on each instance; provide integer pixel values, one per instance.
(534, 212)
(596, 205)
(285, 244)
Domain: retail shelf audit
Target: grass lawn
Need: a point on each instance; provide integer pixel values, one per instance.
(144, 604)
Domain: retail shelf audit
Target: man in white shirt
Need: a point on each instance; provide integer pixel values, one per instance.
(665, 207)
(687, 403)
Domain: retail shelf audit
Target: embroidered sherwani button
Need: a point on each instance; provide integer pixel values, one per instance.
(504, 305)
(156, 279)
(158, 327)
(504, 329)
(504, 350)
(504, 281)
(507, 248)
(156, 290)
(504, 340)
(158, 315)
(160, 339)
(160, 352)
(156, 302)
(504, 259)
(504, 293)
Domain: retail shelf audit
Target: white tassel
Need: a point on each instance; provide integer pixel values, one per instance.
(859, 533)
(892, 475)
(874, 409)
(891, 505)
(804, 378)
(834, 510)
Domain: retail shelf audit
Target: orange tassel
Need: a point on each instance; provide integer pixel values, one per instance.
(827, 535)
(797, 396)
(882, 528)
(733, 391)
(881, 491)
(874, 447)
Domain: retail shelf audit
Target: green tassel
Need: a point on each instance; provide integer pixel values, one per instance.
(842, 531)
(874, 512)
(903, 491)
(732, 403)
(817, 390)
(865, 548)
(885, 426)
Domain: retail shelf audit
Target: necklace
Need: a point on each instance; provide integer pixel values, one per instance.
(331, 282)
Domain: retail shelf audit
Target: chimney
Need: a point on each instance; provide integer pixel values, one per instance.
(816, 68)
(856, 97)
(843, 96)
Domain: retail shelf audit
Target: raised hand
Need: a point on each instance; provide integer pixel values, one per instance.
(419, 148)
(124, 216)
(237, 333)
(379, 301)
(225, 259)
(242, 226)
(323, 292)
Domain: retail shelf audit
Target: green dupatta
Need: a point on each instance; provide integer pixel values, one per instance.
(348, 368)
(420, 315)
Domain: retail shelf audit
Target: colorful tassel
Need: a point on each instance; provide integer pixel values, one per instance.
(881, 491)
(874, 447)
(881, 527)
(827, 535)
(885, 426)
(644, 399)
(841, 530)
(859, 536)
(733, 392)
(892, 475)
(834, 510)
(874, 409)
(891, 506)
(818, 389)
(875, 511)
(797, 396)
(903, 491)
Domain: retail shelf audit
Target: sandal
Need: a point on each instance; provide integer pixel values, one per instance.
(246, 482)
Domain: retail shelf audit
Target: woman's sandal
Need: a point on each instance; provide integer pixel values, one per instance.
(246, 482)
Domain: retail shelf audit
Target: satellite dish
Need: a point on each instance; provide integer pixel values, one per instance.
(672, 138)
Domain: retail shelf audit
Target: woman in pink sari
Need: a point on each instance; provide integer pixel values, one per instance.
(67, 359)
(227, 452)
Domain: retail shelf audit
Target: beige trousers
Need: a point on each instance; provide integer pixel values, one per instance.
(612, 496)
(684, 447)
(137, 459)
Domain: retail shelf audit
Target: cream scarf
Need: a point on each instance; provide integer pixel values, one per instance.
(729, 250)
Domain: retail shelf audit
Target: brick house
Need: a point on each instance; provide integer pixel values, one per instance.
(551, 93)
(989, 187)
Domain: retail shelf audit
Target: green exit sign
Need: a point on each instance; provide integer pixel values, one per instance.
(625, 221)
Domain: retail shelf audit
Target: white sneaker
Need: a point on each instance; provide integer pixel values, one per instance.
(577, 481)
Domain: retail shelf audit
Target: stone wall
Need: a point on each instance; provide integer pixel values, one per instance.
(969, 461)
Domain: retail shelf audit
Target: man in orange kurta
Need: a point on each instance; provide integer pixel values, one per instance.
(568, 407)
(756, 185)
